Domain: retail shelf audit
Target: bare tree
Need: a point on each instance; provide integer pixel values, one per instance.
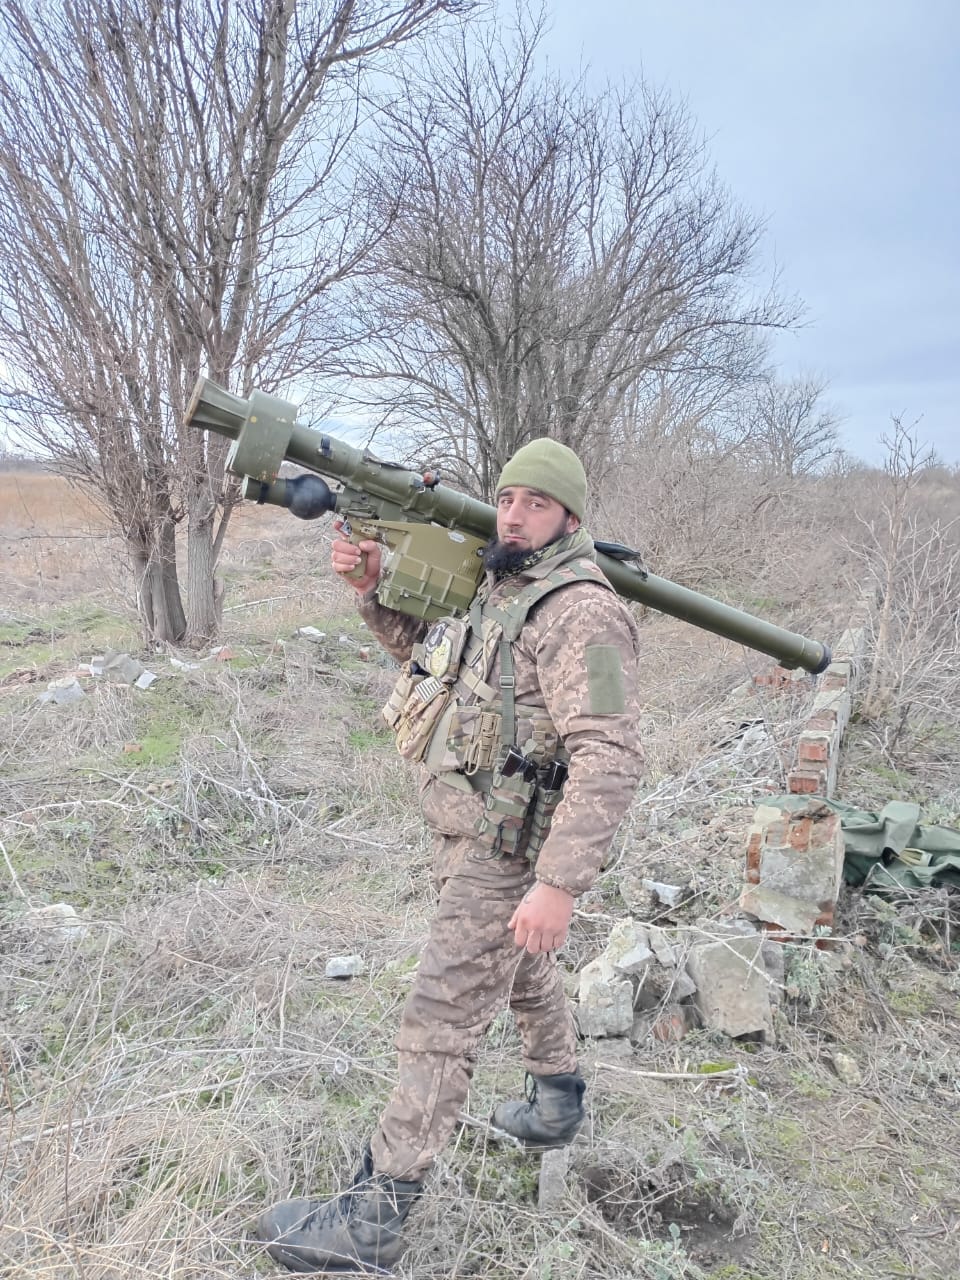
(173, 198)
(787, 428)
(551, 251)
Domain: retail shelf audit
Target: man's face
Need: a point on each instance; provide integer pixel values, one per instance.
(528, 520)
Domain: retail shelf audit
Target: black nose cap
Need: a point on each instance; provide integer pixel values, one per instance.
(308, 497)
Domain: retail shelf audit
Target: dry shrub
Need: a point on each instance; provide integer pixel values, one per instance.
(198, 1063)
(913, 562)
(707, 519)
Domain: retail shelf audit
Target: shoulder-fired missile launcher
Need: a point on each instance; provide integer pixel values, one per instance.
(435, 535)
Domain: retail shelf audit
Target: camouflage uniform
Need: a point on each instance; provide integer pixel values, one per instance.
(472, 967)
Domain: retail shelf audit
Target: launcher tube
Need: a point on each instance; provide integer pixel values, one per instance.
(213, 409)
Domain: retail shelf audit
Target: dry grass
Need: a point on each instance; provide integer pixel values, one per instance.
(36, 501)
(184, 1061)
(52, 539)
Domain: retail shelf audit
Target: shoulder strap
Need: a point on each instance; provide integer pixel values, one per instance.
(512, 617)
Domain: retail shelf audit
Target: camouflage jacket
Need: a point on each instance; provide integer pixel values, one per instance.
(570, 635)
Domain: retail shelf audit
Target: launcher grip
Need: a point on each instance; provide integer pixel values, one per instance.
(361, 569)
(355, 533)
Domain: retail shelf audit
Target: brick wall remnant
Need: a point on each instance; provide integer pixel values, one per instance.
(794, 862)
(794, 867)
(818, 747)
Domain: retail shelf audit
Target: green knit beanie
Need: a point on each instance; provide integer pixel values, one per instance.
(550, 467)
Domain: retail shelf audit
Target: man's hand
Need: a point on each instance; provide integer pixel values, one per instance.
(345, 556)
(541, 921)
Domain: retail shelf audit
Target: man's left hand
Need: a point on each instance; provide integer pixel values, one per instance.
(541, 921)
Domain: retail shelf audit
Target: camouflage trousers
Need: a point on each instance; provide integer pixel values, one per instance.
(470, 970)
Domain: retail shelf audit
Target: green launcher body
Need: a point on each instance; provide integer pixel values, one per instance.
(434, 535)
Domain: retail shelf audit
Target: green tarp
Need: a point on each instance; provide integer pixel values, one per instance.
(891, 849)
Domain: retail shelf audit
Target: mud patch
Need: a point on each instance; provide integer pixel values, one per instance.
(638, 1201)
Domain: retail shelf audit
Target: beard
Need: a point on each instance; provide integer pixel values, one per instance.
(504, 560)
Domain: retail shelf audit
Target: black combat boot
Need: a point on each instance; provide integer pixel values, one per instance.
(357, 1231)
(551, 1115)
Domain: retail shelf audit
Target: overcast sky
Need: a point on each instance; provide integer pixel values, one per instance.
(838, 122)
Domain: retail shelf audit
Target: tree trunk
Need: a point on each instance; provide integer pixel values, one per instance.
(204, 593)
(158, 588)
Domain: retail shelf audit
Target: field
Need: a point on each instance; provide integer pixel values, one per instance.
(173, 1057)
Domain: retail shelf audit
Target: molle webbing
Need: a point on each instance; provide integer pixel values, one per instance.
(483, 740)
(518, 810)
(509, 619)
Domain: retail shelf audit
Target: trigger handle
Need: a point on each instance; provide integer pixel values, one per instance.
(355, 538)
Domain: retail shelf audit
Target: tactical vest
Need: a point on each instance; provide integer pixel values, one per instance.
(446, 714)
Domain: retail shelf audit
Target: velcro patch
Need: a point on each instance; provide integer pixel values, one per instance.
(605, 680)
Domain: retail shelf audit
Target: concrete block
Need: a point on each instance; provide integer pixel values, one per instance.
(344, 966)
(775, 963)
(850, 648)
(682, 985)
(833, 705)
(627, 951)
(847, 1069)
(552, 1187)
(58, 920)
(653, 987)
(661, 946)
(670, 895)
(663, 984)
(626, 935)
(633, 961)
(732, 990)
(716, 930)
(62, 692)
(786, 912)
(606, 1001)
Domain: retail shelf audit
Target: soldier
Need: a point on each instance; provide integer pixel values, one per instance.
(524, 716)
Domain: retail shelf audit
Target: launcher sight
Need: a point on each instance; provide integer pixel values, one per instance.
(434, 534)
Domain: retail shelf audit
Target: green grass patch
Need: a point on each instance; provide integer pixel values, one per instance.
(21, 633)
(38, 654)
(730, 1271)
(369, 739)
(888, 774)
(166, 716)
(95, 623)
(157, 748)
(809, 1087)
(73, 633)
(914, 1002)
(761, 605)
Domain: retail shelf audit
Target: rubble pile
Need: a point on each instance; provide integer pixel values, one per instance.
(723, 975)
